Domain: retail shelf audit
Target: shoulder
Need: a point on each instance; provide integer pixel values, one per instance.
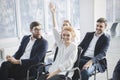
(90, 33)
(107, 36)
(73, 45)
(26, 37)
(43, 40)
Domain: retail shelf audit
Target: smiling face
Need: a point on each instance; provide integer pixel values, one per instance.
(101, 25)
(100, 28)
(66, 36)
(66, 23)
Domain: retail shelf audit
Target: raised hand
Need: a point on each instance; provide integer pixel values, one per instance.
(52, 7)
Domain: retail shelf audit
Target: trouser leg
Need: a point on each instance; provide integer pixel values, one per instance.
(85, 74)
(4, 70)
(9, 70)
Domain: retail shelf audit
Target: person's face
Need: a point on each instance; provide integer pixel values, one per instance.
(100, 28)
(66, 36)
(65, 24)
(36, 31)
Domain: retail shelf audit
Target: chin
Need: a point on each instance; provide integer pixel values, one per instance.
(98, 32)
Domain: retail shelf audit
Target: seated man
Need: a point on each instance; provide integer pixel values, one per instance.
(94, 45)
(31, 51)
(116, 73)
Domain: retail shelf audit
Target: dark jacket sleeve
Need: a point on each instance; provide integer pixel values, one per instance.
(21, 48)
(100, 54)
(37, 55)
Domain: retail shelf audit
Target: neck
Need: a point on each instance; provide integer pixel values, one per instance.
(67, 44)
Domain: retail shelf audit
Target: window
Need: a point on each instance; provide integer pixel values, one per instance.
(61, 12)
(7, 19)
(113, 10)
(31, 10)
(109, 10)
(117, 10)
(75, 13)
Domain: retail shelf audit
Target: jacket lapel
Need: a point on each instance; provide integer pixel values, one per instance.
(99, 41)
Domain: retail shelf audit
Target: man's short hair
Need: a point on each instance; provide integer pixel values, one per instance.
(34, 24)
(102, 20)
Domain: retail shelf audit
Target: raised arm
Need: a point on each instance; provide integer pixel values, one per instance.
(53, 10)
(55, 31)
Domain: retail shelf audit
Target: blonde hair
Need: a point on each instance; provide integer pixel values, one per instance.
(70, 29)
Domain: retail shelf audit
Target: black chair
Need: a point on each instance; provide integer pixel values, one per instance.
(40, 69)
(113, 29)
(104, 60)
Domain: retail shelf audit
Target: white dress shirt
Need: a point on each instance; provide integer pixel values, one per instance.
(26, 54)
(90, 51)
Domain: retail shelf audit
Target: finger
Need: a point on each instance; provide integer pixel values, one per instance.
(50, 5)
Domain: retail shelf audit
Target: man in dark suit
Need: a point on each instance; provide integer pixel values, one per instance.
(31, 51)
(94, 45)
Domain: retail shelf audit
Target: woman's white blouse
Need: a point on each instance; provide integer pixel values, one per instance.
(66, 56)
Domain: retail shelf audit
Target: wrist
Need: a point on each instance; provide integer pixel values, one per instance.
(17, 61)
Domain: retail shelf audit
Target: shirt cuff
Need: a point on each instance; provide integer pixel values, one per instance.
(20, 62)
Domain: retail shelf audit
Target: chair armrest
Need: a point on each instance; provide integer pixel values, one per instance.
(76, 68)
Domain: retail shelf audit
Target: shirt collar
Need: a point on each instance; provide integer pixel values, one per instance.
(32, 38)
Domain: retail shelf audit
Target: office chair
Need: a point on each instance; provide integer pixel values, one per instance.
(113, 29)
(96, 71)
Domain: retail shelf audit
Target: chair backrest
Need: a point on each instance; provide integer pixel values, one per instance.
(56, 51)
(113, 29)
(102, 62)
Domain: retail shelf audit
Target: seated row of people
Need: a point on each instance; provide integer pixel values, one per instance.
(33, 49)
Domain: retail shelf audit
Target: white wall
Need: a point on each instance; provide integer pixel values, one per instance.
(99, 9)
(90, 11)
(86, 16)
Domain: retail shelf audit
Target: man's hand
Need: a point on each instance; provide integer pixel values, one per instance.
(12, 60)
(88, 64)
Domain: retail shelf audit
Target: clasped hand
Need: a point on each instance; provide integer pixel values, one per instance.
(12, 59)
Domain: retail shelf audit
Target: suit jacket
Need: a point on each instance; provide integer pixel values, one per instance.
(37, 53)
(101, 46)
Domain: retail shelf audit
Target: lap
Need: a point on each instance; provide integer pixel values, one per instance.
(13, 70)
(83, 61)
